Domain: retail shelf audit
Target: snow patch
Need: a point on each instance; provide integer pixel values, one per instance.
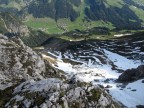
(120, 61)
(104, 75)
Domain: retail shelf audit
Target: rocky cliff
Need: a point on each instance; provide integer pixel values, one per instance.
(10, 25)
(18, 62)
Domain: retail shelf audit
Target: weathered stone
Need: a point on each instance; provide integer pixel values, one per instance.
(19, 62)
(132, 74)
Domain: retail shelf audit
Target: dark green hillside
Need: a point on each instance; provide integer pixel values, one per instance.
(76, 2)
(12, 26)
(121, 17)
(55, 9)
(4, 1)
(58, 16)
(134, 3)
(35, 38)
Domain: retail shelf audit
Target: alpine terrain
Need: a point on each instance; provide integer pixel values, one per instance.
(58, 16)
(71, 54)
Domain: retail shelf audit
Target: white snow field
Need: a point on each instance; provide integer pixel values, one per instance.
(129, 95)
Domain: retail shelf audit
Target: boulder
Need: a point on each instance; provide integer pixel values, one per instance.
(132, 74)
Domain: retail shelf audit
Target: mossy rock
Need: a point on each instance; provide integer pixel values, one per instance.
(95, 95)
(83, 84)
(6, 95)
(38, 98)
(75, 105)
(61, 102)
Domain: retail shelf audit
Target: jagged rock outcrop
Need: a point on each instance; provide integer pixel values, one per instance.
(54, 93)
(132, 74)
(18, 61)
(27, 81)
(12, 25)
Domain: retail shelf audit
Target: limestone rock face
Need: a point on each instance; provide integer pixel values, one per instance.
(54, 93)
(11, 25)
(18, 61)
(18, 29)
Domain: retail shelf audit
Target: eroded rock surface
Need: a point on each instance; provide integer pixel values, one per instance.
(18, 62)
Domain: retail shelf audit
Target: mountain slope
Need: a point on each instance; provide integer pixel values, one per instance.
(10, 25)
(80, 14)
(122, 17)
(29, 81)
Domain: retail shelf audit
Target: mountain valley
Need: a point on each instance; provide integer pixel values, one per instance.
(71, 53)
(60, 16)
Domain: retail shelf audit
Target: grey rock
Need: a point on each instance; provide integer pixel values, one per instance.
(132, 74)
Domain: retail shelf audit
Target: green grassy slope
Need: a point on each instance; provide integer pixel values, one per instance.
(59, 16)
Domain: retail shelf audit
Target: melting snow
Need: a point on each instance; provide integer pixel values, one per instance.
(98, 74)
(120, 35)
(120, 61)
(131, 95)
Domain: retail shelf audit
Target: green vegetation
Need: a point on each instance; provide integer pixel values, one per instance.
(47, 25)
(61, 102)
(109, 14)
(58, 16)
(38, 99)
(55, 9)
(94, 96)
(35, 38)
(83, 24)
(75, 104)
(6, 95)
(101, 36)
(139, 2)
(78, 20)
(64, 25)
(75, 31)
(139, 12)
(2, 26)
(114, 3)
